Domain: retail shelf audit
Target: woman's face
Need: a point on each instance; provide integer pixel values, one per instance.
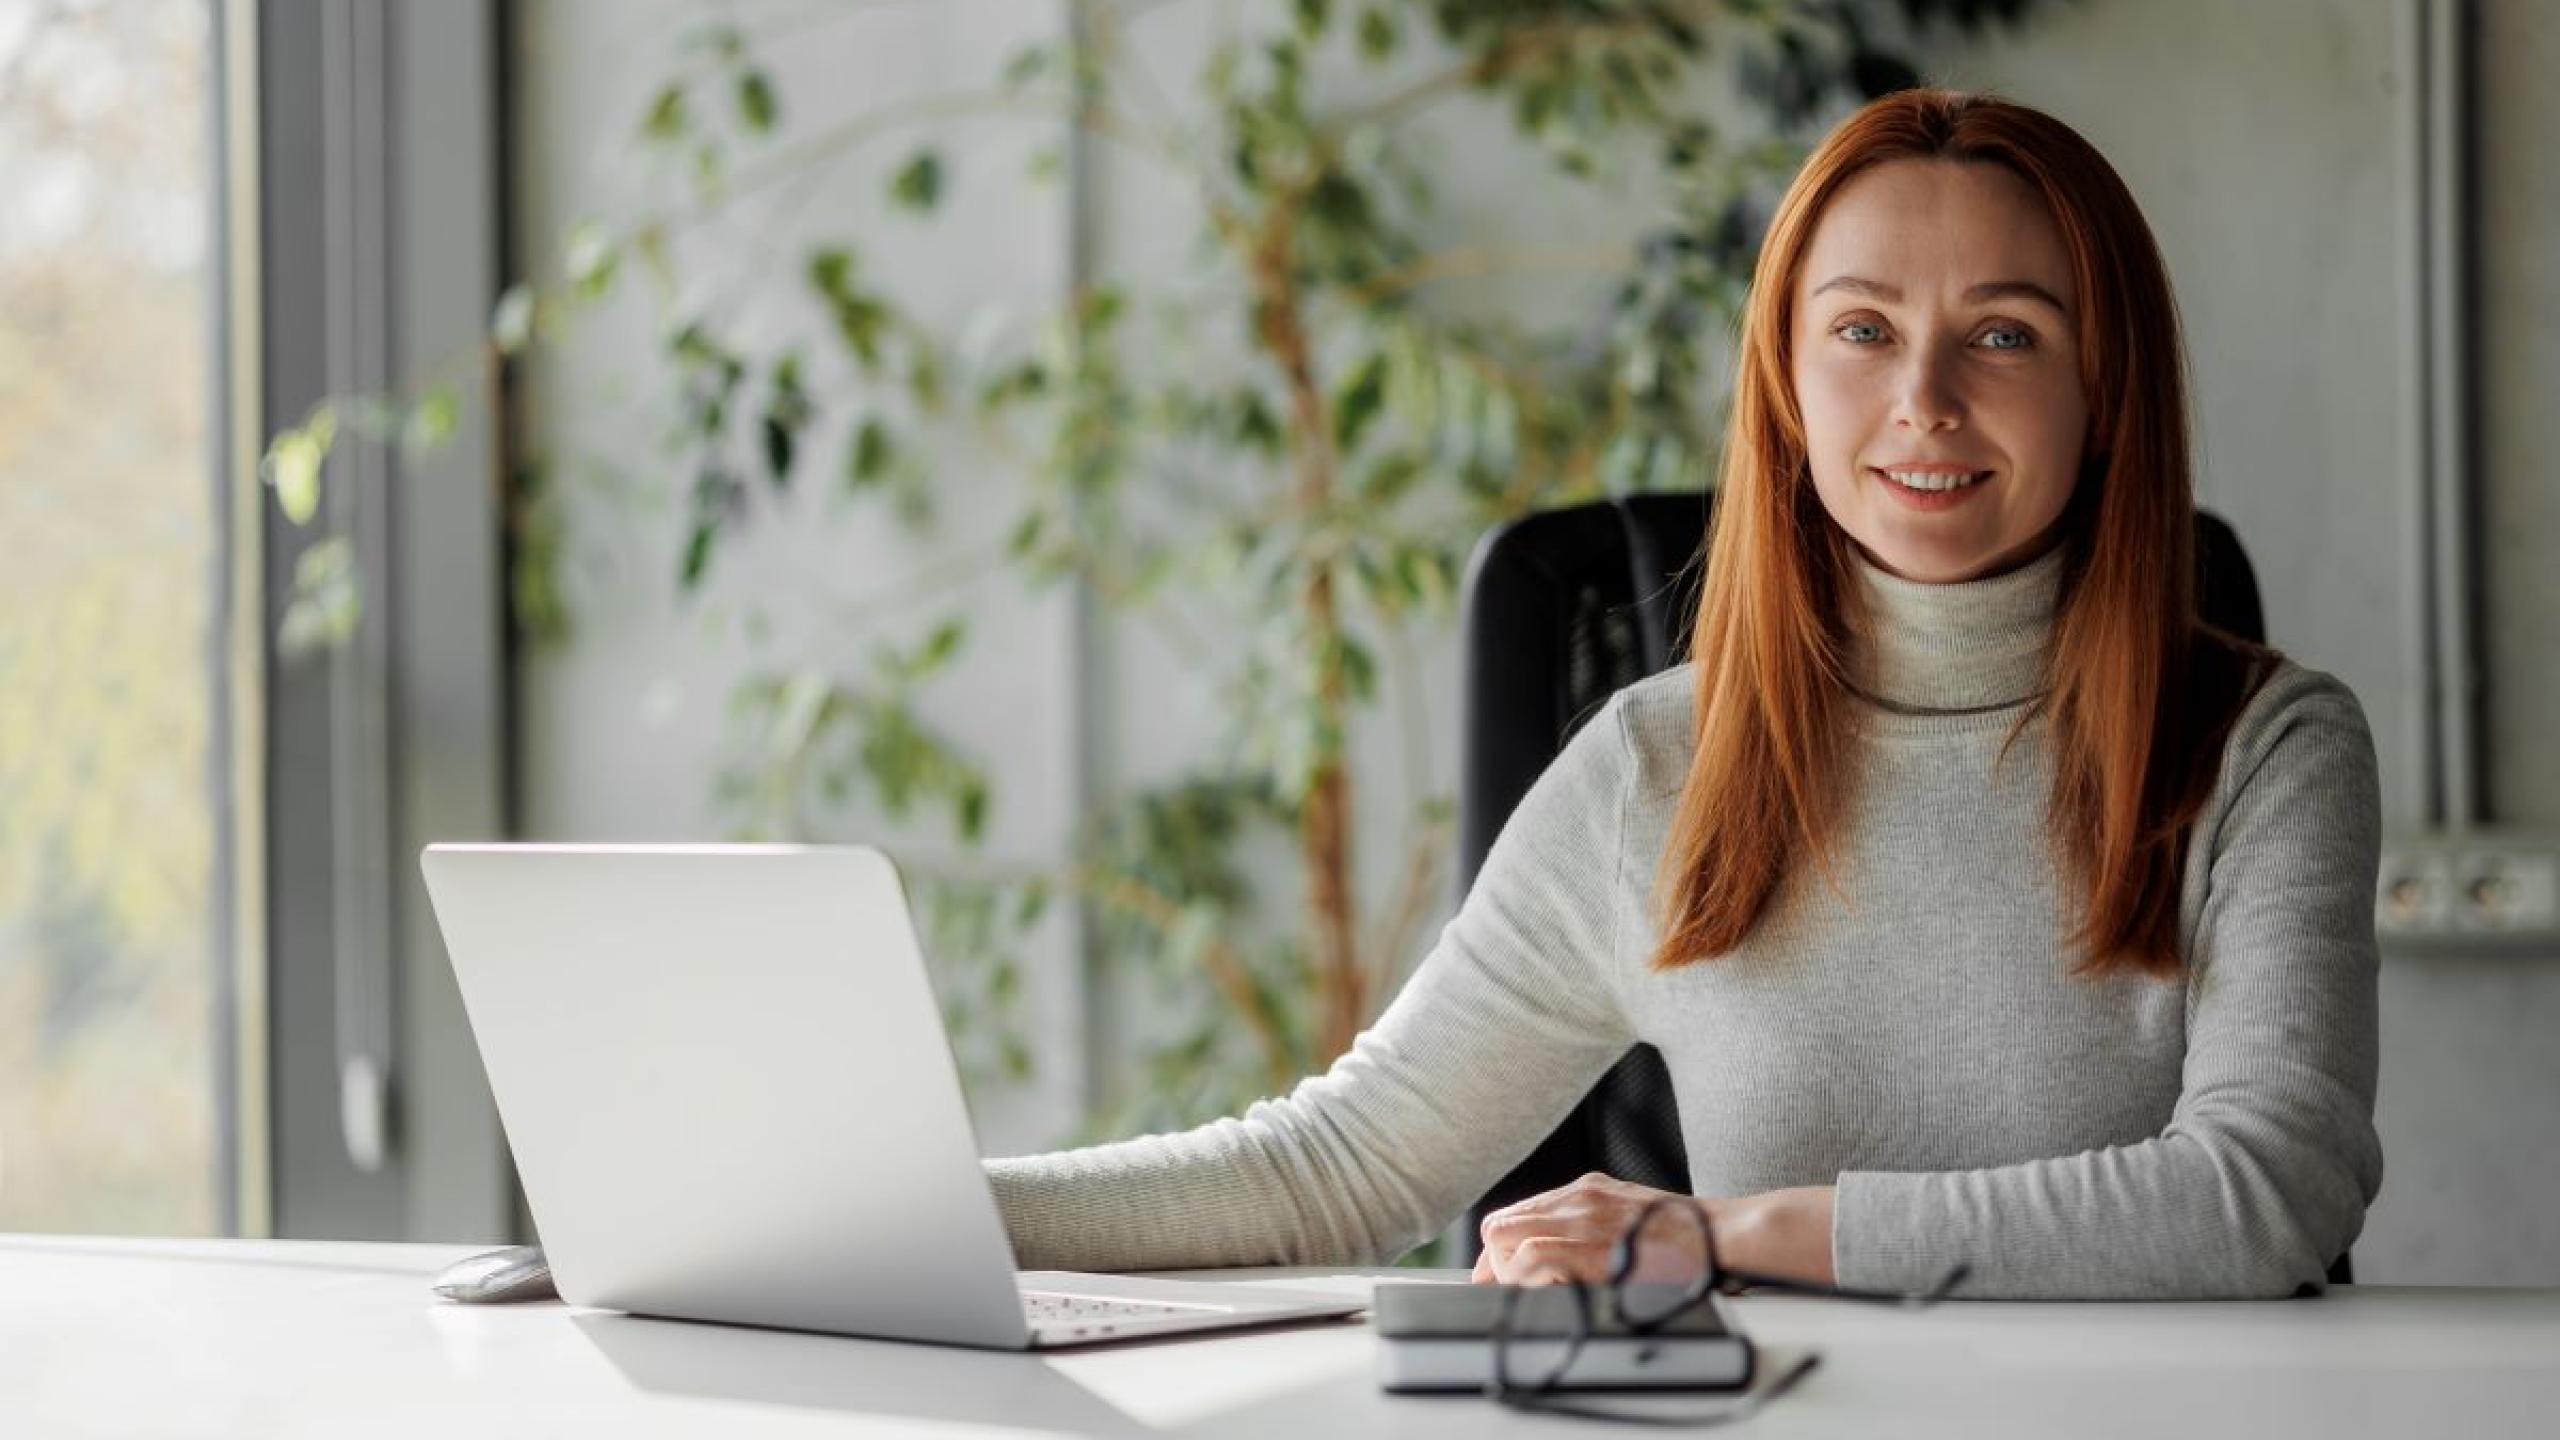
(1934, 333)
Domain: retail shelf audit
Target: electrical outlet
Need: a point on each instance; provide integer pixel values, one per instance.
(2506, 891)
(2414, 895)
(2494, 889)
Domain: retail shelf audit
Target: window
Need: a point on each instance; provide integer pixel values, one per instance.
(113, 626)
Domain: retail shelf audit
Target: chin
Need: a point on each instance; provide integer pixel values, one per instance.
(1928, 565)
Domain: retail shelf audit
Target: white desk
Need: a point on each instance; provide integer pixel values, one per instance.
(217, 1338)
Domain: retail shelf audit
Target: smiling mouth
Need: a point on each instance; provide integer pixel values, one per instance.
(1932, 482)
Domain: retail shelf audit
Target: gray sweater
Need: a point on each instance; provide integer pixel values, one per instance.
(1921, 1046)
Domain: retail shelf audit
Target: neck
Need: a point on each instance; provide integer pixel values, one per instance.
(1971, 645)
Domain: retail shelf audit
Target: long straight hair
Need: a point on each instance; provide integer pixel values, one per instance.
(2139, 693)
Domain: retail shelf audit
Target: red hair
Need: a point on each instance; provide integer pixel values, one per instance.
(2140, 694)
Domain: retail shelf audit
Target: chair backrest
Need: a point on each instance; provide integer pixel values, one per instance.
(1561, 610)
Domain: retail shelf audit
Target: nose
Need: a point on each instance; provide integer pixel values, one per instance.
(1926, 397)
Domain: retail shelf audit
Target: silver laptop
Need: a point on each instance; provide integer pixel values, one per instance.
(729, 1094)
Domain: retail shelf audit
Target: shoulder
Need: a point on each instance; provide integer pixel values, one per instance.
(1633, 746)
(2294, 714)
(1656, 719)
(2298, 772)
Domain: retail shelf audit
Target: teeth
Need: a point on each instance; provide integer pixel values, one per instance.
(1936, 480)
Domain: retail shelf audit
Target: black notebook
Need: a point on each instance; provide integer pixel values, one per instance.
(1434, 1336)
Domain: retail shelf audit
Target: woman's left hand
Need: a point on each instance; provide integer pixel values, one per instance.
(1568, 1233)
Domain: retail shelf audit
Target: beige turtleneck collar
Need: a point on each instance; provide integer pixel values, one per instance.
(1968, 646)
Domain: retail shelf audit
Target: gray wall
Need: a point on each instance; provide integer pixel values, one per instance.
(2264, 142)
(2470, 1110)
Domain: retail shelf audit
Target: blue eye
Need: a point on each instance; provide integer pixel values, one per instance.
(2021, 336)
(1842, 330)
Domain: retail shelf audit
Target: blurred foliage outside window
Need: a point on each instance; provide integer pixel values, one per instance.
(108, 630)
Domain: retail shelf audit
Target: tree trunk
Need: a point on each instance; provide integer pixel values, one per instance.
(1324, 823)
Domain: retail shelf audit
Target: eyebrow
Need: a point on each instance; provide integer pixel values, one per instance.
(1988, 290)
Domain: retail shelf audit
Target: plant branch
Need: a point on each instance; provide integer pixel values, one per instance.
(1325, 818)
(955, 105)
(1090, 567)
(1477, 261)
(1226, 966)
(1512, 52)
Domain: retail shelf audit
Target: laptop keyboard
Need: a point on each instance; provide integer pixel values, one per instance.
(1090, 1315)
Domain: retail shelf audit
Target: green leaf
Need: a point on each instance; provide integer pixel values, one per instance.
(924, 378)
(591, 257)
(1028, 64)
(511, 323)
(293, 462)
(780, 447)
(1034, 903)
(758, 107)
(1687, 144)
(786, 414)
(1382, 588)
(697, 553)
(1390, 478)
(918, 183)
(938, 648)
(1312, 16)
(430, 422)
(651, 243)
(538, 607)
(872, 454)
(1357, 400)
(1026, 533)
(665, 120)
(1378, 33)
(831, 270)
(1256, 428)
(861, 319)
(1359, 667)
(1431, 572)
(326, 603)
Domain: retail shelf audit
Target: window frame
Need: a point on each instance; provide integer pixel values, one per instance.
(372, 116)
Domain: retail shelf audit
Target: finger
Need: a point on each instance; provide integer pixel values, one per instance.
(1549, 1259)
(1484, 1268)
(1553, 1210)
(1505, 1233)
(1574, 1196)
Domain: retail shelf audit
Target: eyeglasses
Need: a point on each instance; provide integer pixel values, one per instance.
(1663, 1267)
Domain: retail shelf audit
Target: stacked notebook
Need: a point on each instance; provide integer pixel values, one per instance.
(1435, 1336)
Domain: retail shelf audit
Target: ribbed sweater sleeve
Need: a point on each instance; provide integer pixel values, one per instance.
(1506, 1022)
(2263, 1172)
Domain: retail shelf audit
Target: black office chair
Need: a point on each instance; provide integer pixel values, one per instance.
(1562, 609)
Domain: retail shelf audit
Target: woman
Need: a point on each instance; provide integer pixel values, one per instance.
(1986, 907)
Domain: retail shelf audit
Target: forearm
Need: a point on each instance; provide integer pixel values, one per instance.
(1222, 1194)
(2196, 1214)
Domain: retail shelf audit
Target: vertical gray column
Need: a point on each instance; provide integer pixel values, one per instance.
(379, 209)
(448, 779)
